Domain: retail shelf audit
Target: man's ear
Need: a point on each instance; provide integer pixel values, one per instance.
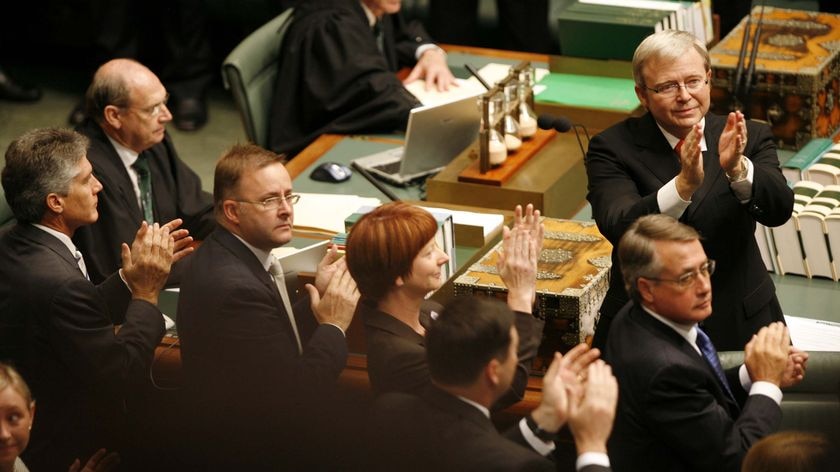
(230, 209)
(111, 115)
(55, 203)
(645, 288)
(491, 371)
(642, 96)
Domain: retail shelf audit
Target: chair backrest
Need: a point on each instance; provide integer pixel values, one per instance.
(250, 71)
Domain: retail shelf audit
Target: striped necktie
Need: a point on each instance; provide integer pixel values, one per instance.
(710, 354)
(144, 182)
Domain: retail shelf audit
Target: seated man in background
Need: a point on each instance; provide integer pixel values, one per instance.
(472, 358)
(338, 65)
(257, 360)
(678, 409)
(135, 159)
(57, 326)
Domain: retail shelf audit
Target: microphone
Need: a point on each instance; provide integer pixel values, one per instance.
(562, 124)
(549, 122)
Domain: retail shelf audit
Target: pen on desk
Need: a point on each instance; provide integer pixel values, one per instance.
(379, 185)
(474, 72)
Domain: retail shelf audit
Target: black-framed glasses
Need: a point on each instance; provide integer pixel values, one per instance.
(688, 279)
(274, 203)
(671, 89)
(153, 111)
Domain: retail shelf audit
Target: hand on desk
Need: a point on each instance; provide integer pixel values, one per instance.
(432, 67)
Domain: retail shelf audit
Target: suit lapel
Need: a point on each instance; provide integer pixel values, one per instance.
(51, 242)
(654, 151)
(660, 330)
(111, 171)
(235, 246)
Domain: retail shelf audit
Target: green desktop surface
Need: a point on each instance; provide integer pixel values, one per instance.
(577, 90)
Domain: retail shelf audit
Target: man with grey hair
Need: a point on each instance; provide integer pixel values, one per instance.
(717, 174)
(135, 159)
(55, 325)
(678, 409)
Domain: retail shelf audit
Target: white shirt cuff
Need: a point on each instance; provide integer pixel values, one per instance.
(743, 188)
(543, 448)
(759, 388)
(669, 200)
(425, 47)
(592, 458)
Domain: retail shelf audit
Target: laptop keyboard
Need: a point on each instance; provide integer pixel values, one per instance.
(389, 168)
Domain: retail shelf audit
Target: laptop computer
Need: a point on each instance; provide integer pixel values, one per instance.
(435, 135)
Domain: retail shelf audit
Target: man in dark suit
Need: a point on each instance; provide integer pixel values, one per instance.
(720, 182)
(678, 409)
(58, 327)
(135, 159)
(471, 350)
(249, 348)
(338, 65)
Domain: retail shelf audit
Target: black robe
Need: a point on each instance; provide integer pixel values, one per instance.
(334, 79)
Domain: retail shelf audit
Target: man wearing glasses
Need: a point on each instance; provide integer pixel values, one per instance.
(257, 359)
(135, 159)
(678, 409)
(717, 174)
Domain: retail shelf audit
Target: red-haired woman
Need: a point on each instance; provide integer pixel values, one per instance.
(392, 256)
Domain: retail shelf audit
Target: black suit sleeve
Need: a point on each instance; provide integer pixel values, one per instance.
(687, 418)
(84, 337)
(613, 191)
(772, 200)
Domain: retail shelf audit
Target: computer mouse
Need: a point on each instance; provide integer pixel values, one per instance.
(331, 172)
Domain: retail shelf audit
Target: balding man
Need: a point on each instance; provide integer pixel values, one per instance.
(135, 159)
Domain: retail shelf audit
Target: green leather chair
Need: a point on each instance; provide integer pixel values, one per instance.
(814, 404)
(250, 71)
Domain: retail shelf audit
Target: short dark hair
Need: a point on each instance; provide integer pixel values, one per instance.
(40, 162)
(791, 451)
(468, 333)
(383, 245)
(636, 252)
(235, 162)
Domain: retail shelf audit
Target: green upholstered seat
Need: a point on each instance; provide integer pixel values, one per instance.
(250, 71)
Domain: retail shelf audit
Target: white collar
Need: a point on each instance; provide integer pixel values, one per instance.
(127, 156)
(688, 332)
(483, 409)
(372, 19)
(673, 140)
(61, 237)
(263, 256)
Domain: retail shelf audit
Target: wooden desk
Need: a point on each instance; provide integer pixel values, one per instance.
(554, 180)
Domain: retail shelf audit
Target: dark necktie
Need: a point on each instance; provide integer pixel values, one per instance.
(144, 181)
(379, 35)
(710, 354)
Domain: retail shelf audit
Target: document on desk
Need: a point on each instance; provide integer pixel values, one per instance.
(491, 73)
(325, 213)
(813, 335)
